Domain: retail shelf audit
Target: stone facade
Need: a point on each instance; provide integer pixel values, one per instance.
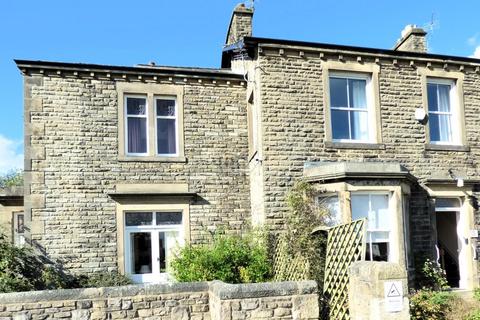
(72, 164)
(293, 114)
(185, 301)
(72, 142)
(293, 123)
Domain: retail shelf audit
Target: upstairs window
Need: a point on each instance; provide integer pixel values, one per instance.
(150, 122)
(349, 108)
(442, 115)
(166, 111)
(137, 125)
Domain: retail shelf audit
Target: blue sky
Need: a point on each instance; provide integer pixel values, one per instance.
(191, 33)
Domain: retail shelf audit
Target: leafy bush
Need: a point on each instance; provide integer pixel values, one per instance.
(476, 294)
(431, 305)
(475, 315)
(432, 276)
(22, 270)
(231, 258)
(102, 279)
(12, 179)
(303, 217)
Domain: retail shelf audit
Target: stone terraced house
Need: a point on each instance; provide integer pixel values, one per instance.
(122, 163)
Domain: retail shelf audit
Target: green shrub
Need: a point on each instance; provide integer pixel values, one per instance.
(475, 315)
(430, 305)
(230, 258)
(476, 294)
(432, 276)
(103, 279)
(22, 270)
(297, 242)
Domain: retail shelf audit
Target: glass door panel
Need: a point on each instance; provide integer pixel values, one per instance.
(162, 251)
(141, 252)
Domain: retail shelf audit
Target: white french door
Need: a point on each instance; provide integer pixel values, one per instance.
(149, 246)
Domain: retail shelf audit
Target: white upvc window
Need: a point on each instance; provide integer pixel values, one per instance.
(150, 240)
(351, 107)
(374, 207)
(136, 124)
(331, 204)
(166, 126)
(443, 114)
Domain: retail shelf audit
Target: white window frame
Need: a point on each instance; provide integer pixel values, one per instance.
(154, 230)
(146, 116)
(454, 113)
(321, 198)
(369, 100)
(390, 218)
(177, 137)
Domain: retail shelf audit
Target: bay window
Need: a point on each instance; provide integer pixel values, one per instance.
(331, 204)
(374, 207)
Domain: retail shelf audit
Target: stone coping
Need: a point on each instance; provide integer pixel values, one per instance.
(225, 291)
(321, 171)
(95, 293)
(368, 270)
(222, 290)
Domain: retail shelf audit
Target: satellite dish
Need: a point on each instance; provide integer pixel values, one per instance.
(420, 114)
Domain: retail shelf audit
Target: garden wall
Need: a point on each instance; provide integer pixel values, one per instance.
(180, 301)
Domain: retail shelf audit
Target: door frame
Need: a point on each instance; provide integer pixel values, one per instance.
(154, 230)
(154, 205)
(467, 263)
(461, 246)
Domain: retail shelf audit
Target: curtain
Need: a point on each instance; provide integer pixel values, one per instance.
(137, 135)
(358, 100)
(445, 130)
(166, 136)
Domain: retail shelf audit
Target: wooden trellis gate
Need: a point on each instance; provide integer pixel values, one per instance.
(346, 244)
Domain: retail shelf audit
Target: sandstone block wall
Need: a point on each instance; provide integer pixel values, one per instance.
(72, 165)
(293, 127)
(179, 301)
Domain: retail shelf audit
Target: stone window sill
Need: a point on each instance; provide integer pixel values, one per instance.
(151, 159)
(445, 147)
(352, 145)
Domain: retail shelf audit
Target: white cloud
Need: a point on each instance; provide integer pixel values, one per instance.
(476, 53)
(10, 157)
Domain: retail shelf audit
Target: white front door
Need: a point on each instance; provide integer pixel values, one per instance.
(150, 238)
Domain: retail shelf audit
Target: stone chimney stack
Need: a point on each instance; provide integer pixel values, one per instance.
(240, 24)
(413, 39)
